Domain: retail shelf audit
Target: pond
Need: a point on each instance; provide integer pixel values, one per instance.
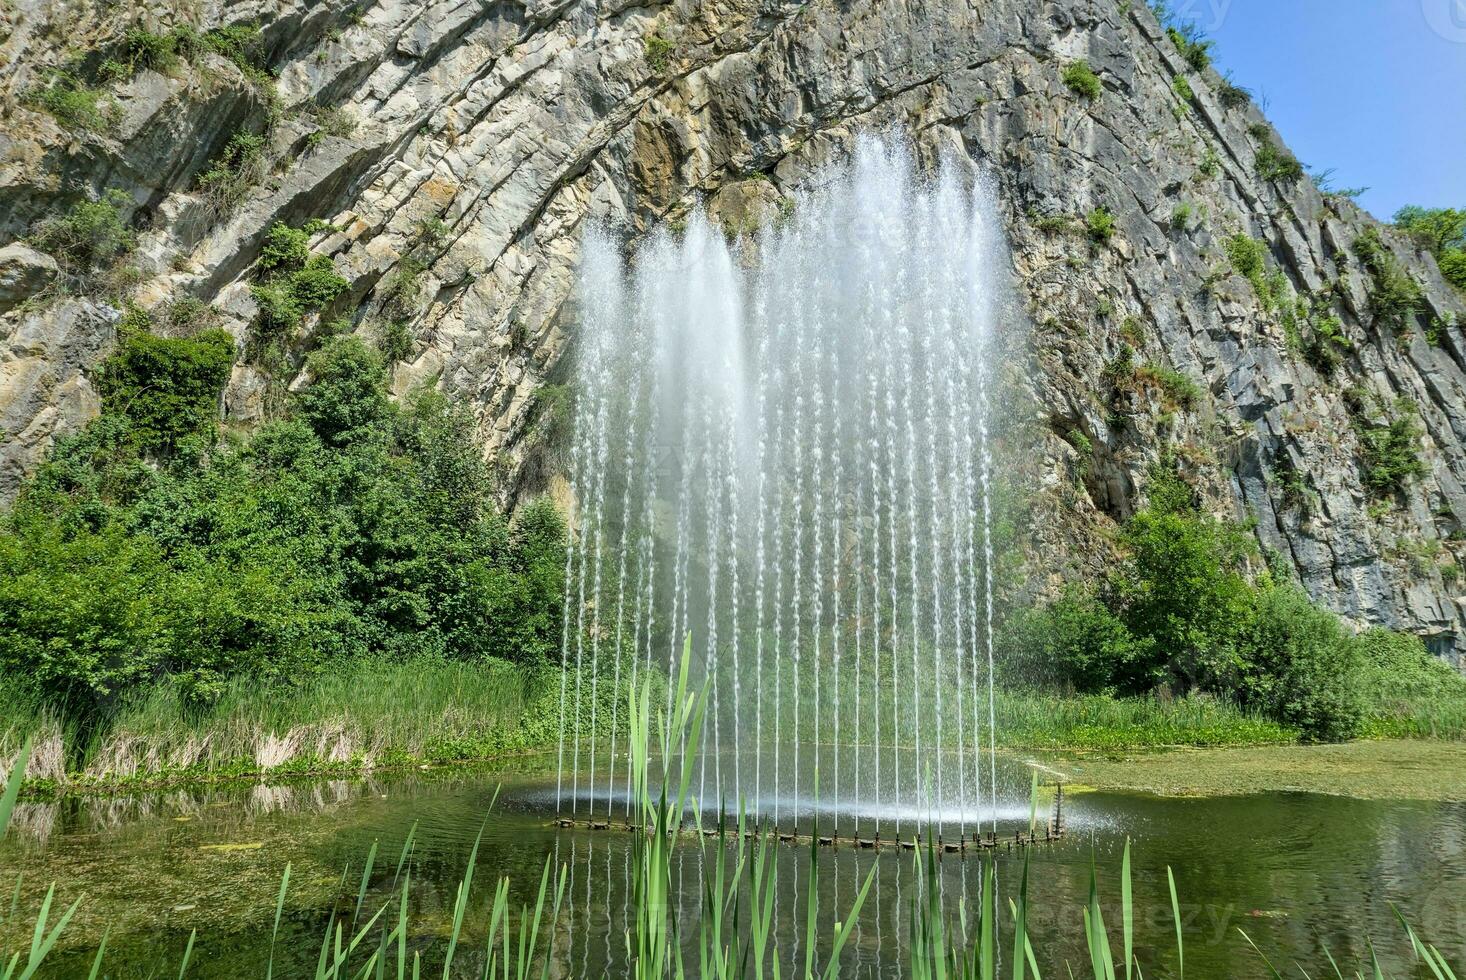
(1297, 871)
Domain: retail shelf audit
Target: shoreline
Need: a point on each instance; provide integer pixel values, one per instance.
(1399, 768)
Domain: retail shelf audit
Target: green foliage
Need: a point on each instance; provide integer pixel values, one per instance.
(1180, 611)
(658, 53)
(432, 232)
(1233, 96)
(285, 249)
(395, 341)
(1442, 232)
(1192, 45)
(142, 50)
(1277, 164)
(402, 291)
(1082, 80)
(294, 283)
(1182, 88)
(317, 284)
(1100, 223)
(241, 44)
(1178, 390)
(1076, 642)
(351, 528)
(1325, 344)
(73, 103)
(1390, 452)
(277, 312)
(231, 175)
(1181, 215)
(1249, 260)
(91, 236)
(1436, 229)
(1184, 594)
(1306, 670)
(167, 389)
(1395, 297)
(1453, 267)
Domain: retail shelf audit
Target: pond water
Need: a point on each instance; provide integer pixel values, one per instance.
(1299, 872)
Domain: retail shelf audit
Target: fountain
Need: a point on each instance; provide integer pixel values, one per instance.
(781, 447)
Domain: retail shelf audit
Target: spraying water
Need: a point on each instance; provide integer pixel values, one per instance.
(782, 443)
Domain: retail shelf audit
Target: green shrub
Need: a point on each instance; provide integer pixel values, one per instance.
(294, 283)
(1395, 297)
(1326, 344)
(1074, 642)
(285, 249)
(167, 388)
(432, 232)
(1233, 96)
(395, 341)
(402, 291)
(241, 44)
(231, 175)
(1182, 88)
(1305, 669)
(317, 284)
(1453, 267)
(74, 104)
(92, 235)
(1192, 45)
(658, 53)
(349, 529)
(143, 50)
(1248, 257)
(1178, 390)
(277, 312)
(1100, 223)
(1438, 230)
(1441, 231)
(1276, 164)
(1390, 452)
(1082, 80)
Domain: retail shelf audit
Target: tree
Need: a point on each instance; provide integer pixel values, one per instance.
(1305, 669)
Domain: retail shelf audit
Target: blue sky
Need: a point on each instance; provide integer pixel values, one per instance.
(1375, 89)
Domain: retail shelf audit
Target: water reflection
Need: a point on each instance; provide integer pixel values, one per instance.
(1298, 872)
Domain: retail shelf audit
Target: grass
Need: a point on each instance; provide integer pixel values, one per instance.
(353, 719)
(368, 938)
(1035, 720)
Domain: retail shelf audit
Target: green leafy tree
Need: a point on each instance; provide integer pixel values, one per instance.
(1305, 669)
(167, 388)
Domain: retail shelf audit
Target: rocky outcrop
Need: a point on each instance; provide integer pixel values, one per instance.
(474, 140)
(24, 272)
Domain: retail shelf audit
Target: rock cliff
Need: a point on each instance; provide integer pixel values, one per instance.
(1183, 288)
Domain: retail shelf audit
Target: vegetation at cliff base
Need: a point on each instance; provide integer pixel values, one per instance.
(151, 554)
(1186, 611)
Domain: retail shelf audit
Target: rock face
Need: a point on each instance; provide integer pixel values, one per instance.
(476, 139)
(24, 272)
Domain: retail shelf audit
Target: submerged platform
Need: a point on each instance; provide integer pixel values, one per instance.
(1053, 831)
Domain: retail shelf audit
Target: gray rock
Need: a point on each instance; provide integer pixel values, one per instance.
(24, 272)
